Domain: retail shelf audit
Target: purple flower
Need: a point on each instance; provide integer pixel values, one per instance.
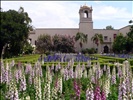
(77, 89)
(113, 79)
(89, 94)
(97, 94)
(103, 96)
(22, 84)
(28, 69)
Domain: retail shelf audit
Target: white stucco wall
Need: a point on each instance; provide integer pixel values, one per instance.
(124, 30)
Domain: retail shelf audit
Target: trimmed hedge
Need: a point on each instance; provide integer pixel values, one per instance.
(111, 59)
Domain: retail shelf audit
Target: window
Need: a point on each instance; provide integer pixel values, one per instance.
(86, 14)
(114, 36)
(35, 42)
(105, 38)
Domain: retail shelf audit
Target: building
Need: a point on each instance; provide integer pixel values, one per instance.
(86, 27)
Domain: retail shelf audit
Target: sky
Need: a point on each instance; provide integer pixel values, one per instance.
(65, 14)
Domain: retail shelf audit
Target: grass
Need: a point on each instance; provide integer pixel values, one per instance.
(107, 59)
(34, 57)
(24, 58)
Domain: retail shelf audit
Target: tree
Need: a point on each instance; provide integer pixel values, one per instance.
(131, 21)
(122, 43)
(97, 38)
(109, 27)
(63, 43)
(119, 43)
(15, 26)
(44, 43)
(82, 38)
(129, 39)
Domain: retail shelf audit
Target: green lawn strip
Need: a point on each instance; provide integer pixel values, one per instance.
(24, 59)
(111, 59)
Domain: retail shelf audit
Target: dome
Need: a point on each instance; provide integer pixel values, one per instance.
(85, 7)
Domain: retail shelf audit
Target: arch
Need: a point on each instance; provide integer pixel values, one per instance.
(85, 14)
(106, 49)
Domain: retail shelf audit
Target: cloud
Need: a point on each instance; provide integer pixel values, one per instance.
(56, 14)
(111, 13)
(49, 14)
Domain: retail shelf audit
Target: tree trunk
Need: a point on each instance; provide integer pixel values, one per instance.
(3, 50)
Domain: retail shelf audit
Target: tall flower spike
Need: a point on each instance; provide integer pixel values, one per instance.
(90, 93)
(113, 76)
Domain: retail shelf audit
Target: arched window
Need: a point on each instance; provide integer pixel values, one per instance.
(86, 14)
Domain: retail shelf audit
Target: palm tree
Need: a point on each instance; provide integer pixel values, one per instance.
(97, 38)
(27, 18)
(83, 38)
(21, 11)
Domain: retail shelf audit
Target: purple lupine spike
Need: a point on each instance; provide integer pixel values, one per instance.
(77, 89)
(28, 68)
(120, 93)
(103, 96)
(2, 71)
(30, 79)
(66, 74)
(16, 76)
(59, 66)
(97, 94)
(127, 82)
(56, 68)
(40, 71)
(5, 78)
(22, 84)
(93, 79)
(71, 73)
(113, 79)
(119, 74)
(98, 73)
(89, 94)
(124, 90)
(132, 87)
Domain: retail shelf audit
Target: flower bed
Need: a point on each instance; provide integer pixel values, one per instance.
(72, 81)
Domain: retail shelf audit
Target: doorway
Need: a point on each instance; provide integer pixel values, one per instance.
(106, 49)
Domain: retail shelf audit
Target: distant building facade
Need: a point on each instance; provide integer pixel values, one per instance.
(86, 27)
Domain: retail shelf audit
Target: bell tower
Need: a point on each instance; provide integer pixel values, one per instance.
(86, 24)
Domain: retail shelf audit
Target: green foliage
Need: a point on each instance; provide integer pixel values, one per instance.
(63, 43)
(109, 27)
(119, 43)
(88, 51)
(28, 49)
(97, 38)
(58, 43)
(82, 38)
(124, 43)
(15, 26)
(44, 43)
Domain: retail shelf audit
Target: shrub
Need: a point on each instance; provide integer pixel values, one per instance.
(88, 51)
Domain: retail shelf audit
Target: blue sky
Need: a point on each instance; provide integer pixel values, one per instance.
(57, 14)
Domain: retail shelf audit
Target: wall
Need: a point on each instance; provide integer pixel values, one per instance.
(52, 31)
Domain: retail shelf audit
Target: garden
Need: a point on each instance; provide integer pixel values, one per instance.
(66, 77)
(60, 73)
